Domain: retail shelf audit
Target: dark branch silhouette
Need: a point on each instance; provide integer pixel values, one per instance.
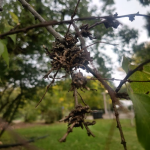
(23, 143)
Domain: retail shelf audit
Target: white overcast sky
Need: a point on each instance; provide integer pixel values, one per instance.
(124, 7)
(133, 6)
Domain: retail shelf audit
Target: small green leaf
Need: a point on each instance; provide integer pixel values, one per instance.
(13, 37)
(147, 69)
(7, 27)
(141, 103)
(142, 75)
(14, 17)
(140, 87)
(2, 47)
(125, 64)
(6, 57)
(4, 51)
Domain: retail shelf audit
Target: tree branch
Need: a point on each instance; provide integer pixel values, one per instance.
(111, 92)
(22, 143)
(136, 14)
(81, 98)
(47, 86)
(114, 100)
(54, 22)
(43, 24)
(41, 19)
(74, 13)
(79, 35)
(130, 73)
(106, 17)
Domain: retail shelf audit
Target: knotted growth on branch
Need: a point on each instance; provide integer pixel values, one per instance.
(76, 119)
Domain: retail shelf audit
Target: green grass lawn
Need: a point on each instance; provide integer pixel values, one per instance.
(78, 139)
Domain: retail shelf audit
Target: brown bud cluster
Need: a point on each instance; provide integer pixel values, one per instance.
(78, 80)
(76, 118)
(68, 55)
(85, 31)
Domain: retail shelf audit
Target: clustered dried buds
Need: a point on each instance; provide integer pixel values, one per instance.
(68, 55)
(79, 81)
(76, 119)
(85, 31)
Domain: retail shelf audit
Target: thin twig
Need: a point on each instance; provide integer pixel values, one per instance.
(112, 79)
(105, 17)
(46, 76)
(97, 23)
(88, 130)
(54, 22)
(99, 42)
(75, 97)
(47, 88)
(81, 98)
(130, 73)
(22, 143)
(105, 79)
(72, 16)
(63, 139)
(136, 14)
